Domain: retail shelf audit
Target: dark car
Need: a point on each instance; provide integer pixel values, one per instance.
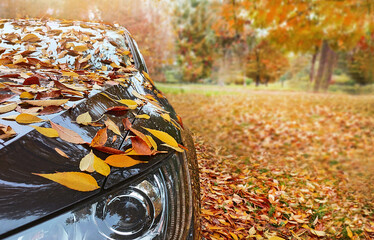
(89, 147)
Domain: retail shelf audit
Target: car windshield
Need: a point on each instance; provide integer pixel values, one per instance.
(63, 45)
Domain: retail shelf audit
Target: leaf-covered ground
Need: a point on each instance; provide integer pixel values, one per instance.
(283, 165)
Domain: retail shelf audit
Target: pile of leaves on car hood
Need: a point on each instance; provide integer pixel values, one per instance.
(49, 66)
(283, 165)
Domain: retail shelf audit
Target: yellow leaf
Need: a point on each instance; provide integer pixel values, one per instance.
(70, 74)
(138, 95)
(59, 151)
(30, 38)
(101, 167)
(120, 160)
(27, 95)
(75, 180)
(143, 116)
(112, 126)
(275, 238)
(84, 118)
(178, 149)
(163, 136)
(114, 65)
(25, 118)
(81, 48)
(129, 103)
(166, 117)
(46, 103)
(146, 75)
(153, 143)
(349, 232)
(233, 235)
(318, 233)
(87, 163)
(252, 231)
(48, 132)
(8, 107)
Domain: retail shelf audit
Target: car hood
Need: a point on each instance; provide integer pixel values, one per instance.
(26, 197)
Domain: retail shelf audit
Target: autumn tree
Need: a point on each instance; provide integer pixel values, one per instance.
(194, 39)
(234, 36)
(360, 61)
(266, 63)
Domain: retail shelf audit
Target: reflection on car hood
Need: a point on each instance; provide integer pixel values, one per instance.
(26, 197)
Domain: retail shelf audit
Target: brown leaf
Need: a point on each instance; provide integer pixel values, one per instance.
(6, 132)
(5, 97)
(67, 134)
(50, 110)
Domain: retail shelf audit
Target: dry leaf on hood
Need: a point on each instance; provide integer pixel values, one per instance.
(74, 180)
(8, 107)
(48, 132)
(67, 134)
(84, 118)
(25, 118)
(121, 160)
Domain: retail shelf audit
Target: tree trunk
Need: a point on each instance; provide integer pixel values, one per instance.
(314, 58)
(258, 75)
(331, 60)
(322, 64)
(257, 80)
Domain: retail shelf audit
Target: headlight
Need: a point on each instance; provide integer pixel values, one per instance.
(156, 205)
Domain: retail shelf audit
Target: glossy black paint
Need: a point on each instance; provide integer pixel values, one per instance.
(27, 199)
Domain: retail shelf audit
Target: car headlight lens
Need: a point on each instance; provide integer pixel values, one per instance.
(157, 205)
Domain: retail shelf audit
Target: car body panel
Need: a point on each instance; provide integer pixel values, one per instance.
(27, 199)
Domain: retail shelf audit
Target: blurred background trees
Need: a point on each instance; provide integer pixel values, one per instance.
(315, 45)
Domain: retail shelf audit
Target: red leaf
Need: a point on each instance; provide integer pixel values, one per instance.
(10, 76)
(117, 111)
(31, 80)
(108, 150)
(140, 146)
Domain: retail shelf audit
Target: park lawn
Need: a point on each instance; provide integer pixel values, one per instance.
(274, 163)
